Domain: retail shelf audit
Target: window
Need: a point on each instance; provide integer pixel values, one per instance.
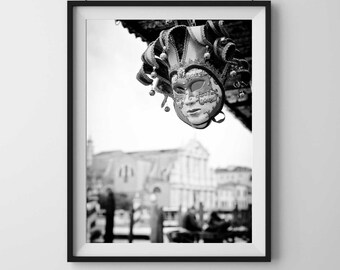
(156, 190)
(126, 172)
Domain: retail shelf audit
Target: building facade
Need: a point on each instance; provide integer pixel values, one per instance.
(234, 188)
(178, 177)
(182, 176)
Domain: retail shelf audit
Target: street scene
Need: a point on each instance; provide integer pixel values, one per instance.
(166, 196)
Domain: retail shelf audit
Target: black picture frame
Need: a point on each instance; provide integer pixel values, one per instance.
(71, 133)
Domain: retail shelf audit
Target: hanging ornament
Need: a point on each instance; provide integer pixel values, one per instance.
(166, 108)
(241, 94)
(154, 73)
(152, 92)
(163, 55)
(206, 54)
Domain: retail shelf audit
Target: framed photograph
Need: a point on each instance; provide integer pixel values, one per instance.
(168, 131)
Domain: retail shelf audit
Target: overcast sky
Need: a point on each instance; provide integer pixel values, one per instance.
(123, 116)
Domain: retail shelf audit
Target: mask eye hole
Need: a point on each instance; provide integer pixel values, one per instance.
(197, 85)
(179, 90)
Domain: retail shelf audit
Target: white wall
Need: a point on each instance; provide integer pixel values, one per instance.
(305, 132)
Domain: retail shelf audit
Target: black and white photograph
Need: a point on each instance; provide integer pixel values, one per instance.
(167, 134)
(169, 152)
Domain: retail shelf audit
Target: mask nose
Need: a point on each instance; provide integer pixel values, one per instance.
(189, 98)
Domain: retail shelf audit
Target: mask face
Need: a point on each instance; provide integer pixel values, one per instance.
(197, 97)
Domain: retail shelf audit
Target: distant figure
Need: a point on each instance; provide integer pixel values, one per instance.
(110, 213)
(190, 222)
(216, 224)
(218, 227)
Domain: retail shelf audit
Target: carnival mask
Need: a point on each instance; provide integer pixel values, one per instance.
(197, 97)
(194, 66)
